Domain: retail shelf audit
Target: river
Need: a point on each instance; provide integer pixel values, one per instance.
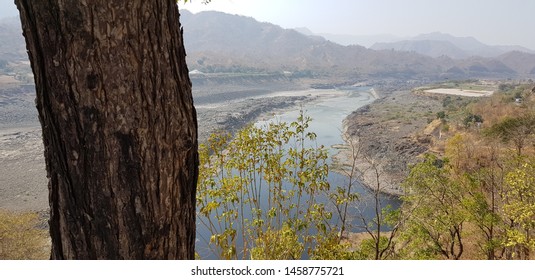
(328, 111)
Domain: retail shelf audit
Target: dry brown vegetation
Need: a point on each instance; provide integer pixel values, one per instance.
(493, 172)
(479, 156)
(21, 238)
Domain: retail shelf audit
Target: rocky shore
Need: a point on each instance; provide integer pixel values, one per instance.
(389, 135)
(230, 117)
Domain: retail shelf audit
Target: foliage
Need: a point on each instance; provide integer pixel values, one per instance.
(20, 239)
(329, 247)
(260, 190)
(519, 209)
(367, 249)
(435, 226)
(483, 187)
(280, 244)
(472, 119)
(476, 195)
(446, 101)
(263, 194)
(519, 130)
(505, 87)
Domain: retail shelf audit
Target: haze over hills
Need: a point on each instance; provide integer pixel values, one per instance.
(431, 44)
(217, 42)
(437, 44)
(346, 39)
(12, 45)
(215, 39)
(520, 61)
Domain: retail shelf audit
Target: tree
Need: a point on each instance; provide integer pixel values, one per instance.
(366, 211)
(119, 127)
(380, 245)
(441, 115)
(472, 119)
(260, 193)
(435, 200)
(485, 198)
(519, 209)
(519, 130)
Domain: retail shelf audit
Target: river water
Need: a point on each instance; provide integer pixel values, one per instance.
(327, 112)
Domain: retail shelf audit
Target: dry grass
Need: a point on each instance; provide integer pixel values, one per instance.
(20, 237)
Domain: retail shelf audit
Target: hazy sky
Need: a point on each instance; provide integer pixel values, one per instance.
(8, 8)
(503, 22)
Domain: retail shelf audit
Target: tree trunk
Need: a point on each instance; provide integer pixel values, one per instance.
(119, 127)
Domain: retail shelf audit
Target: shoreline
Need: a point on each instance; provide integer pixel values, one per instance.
(364, 165)
(391, 134)
(341, 152)
(366, 168)
(24, 186)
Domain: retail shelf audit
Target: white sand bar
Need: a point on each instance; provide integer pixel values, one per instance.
(456, 91)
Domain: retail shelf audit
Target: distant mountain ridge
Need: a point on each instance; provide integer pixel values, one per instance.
(346, 39)
(215, 39)
(217, 42)
(437, 44)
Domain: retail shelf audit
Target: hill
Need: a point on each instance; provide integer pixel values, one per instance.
(218, 41)
(426, 47)
(222, 43)
(437, 44)
(347, 39)
(520, 61)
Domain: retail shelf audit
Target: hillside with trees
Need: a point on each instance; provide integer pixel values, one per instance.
(467, 193)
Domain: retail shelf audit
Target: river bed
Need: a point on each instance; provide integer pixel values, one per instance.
(327, 110)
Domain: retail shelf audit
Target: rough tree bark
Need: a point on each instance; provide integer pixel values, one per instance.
(119, 127)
